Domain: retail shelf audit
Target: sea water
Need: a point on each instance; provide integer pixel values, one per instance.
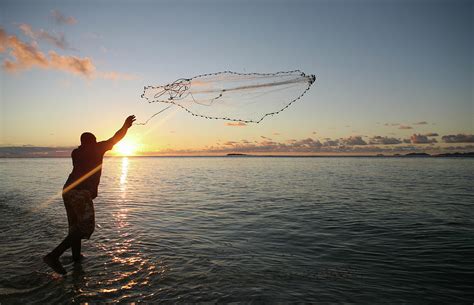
(245, 229)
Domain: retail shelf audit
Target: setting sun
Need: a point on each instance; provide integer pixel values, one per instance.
(125, 148)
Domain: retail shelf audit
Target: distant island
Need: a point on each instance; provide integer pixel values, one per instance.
(445, 155)
(409, 155)
(456, 155)
(65, 152)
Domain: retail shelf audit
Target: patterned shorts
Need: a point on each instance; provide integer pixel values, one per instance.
(80, 212)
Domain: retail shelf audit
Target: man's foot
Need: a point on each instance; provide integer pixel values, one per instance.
(54, 264)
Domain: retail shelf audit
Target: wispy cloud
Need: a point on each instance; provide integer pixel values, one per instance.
(421, 123)
(59, 18)
(236, 124)
(72, 64)
(431, 134)
(384, 140)
(116, 76)
(58, 40)
(459, 138)
(331, 143)
(405, 127)
(24, 56)
(354, 140)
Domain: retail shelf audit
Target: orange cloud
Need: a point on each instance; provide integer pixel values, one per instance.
(27, 56)
(236, 124)
(116, 76)
(72, 64)
(57, 40)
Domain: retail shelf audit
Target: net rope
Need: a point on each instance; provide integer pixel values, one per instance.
(185, 90)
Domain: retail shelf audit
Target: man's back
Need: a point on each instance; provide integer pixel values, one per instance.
(87, 167)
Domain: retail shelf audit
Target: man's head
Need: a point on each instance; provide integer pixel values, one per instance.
(88, 138)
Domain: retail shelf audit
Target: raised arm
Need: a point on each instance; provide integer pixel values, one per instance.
(122, 131)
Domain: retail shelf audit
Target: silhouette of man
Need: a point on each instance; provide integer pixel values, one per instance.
(79, 190)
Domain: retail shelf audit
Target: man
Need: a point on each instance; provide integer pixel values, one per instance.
(79, 190)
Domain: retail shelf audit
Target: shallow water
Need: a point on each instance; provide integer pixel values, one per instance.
(361, 230)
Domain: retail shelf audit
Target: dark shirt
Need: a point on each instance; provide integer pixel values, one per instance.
(87, 167)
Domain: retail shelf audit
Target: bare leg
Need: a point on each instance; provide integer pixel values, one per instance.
(76, 249)
(52, 259)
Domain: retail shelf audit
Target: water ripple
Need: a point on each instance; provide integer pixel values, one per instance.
(253, 230)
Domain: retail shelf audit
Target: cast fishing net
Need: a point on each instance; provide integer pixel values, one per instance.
(231, 96)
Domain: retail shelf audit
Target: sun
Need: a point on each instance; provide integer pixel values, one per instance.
(125, 148)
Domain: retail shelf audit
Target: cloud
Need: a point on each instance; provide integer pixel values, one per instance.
(307, 143)
(331, 143)
(405, 127)
(421, 123)
(59, 18)
(303, 145)
(276, 133)
(292, 146)
(28, 151)
(421, 139)
(431, 134)
(116, 76)
(314, 146)
(236, 124)
(391, 124)
(24, 56)
(354, 140)
(72, 64)
(459, 138)
(57, 40)
(384, 140)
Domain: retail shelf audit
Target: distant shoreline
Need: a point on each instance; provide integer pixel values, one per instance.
(241, 155)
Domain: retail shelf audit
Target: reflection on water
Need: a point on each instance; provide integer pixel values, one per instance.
(123, 177)
(251, 230)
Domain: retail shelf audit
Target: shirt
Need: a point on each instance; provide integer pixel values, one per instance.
(87, 167)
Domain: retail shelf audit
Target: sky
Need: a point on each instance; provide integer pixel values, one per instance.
(392, 76)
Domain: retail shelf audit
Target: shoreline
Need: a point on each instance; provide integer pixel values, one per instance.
(233, 155)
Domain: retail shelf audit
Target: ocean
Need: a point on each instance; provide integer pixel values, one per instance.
(245, 229)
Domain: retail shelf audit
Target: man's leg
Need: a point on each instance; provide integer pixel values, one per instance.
(76, 249)
(52, 259)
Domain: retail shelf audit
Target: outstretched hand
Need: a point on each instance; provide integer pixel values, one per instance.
(129, 121)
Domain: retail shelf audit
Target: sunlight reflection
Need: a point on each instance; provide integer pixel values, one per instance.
(123, 176)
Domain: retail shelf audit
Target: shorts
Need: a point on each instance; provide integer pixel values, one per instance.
(80, 212)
